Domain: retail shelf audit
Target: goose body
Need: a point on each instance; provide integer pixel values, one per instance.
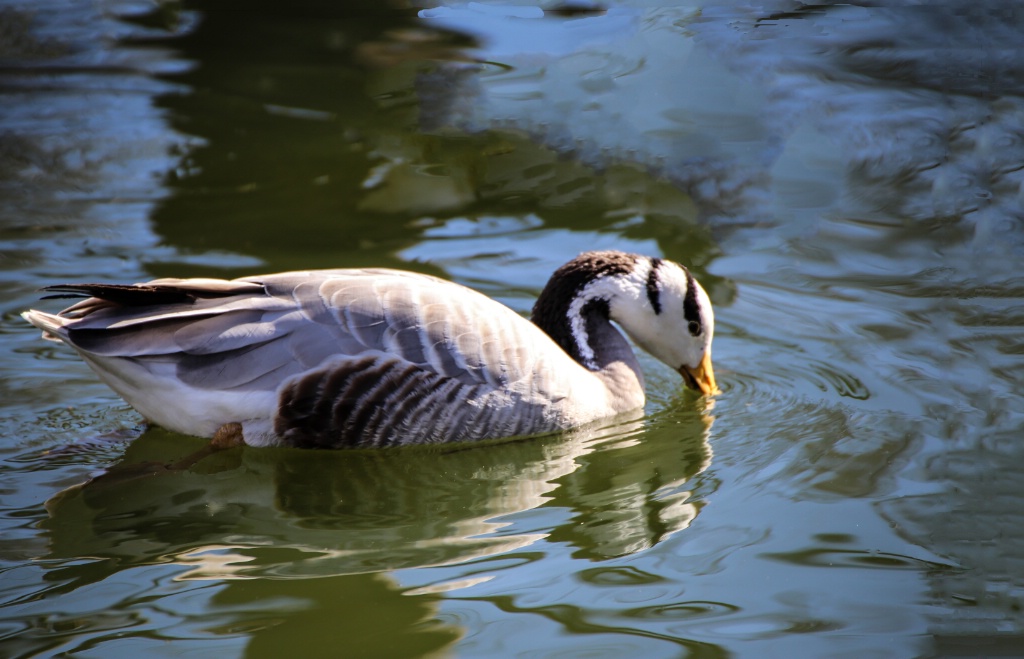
(377, 357)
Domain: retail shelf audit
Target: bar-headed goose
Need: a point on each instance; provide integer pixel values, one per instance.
(375, 357)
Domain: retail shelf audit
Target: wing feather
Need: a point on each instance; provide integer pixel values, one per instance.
(257, 332)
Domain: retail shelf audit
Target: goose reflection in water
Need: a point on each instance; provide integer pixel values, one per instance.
(609, 489)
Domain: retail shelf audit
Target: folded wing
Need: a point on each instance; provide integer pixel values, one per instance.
(255, 333)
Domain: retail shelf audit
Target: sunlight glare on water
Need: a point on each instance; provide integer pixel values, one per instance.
(847, 182)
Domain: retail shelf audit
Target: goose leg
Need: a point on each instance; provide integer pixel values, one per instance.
(227, 436)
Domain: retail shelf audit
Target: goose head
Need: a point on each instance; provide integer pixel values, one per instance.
(658, 303)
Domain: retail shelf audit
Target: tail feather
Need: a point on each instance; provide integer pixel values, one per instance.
(123, 295)
(166, 293)
(50, 324)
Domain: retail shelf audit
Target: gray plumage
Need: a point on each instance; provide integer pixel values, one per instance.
(361, 357)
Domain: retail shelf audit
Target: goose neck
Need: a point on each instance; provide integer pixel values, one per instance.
(581, 326)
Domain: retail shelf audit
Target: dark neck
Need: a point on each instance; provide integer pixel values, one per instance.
(583, 331)
(588, 336)
(553, 316)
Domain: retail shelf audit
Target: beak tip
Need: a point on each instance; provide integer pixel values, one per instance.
(701, 378)
(709, 389)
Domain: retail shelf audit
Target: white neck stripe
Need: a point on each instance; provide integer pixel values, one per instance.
(606, 288)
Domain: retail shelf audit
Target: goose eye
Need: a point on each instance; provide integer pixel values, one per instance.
(694, 328)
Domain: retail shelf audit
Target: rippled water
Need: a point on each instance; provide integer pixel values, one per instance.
(846, 181)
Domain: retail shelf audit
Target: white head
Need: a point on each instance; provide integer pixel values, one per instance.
(657, 302)
(672, 320)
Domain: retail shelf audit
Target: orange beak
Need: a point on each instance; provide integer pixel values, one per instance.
(701, 378)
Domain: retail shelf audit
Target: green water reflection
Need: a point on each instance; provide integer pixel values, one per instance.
(255, 521)
(370, 511)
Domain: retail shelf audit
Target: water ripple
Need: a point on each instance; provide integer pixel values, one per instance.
(850, 558)
(619, 576)
(688, 610)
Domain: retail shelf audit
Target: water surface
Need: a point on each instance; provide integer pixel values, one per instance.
(846, 181)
